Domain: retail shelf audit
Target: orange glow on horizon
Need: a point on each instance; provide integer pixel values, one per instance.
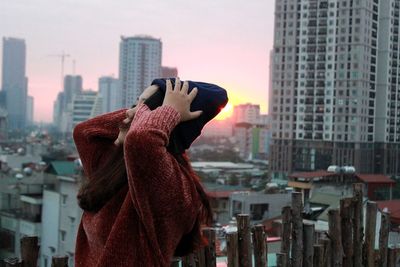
(226, 112)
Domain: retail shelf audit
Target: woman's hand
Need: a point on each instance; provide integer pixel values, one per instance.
(180, 99)
(130, 113)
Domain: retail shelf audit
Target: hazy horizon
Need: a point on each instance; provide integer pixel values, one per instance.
(224, 42)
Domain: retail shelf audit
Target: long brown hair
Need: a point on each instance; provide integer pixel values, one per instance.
(111, 177)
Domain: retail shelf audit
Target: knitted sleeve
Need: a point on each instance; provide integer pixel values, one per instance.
(165, 197)
(95, 137)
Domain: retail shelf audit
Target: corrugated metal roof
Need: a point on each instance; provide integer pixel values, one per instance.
(62, 167)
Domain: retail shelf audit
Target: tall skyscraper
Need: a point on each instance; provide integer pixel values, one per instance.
(62, 107)
(15, 83)
(335, 88)
(139, 64)
(110, 91)
(29, 110)
(72, 86)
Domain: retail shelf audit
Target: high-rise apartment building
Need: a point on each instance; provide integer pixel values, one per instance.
(169, 72)
(335, 96)
(14, 81)
(62, 107)
(248, 113)
(139, 64)
(85, 105)
(29, 110)
(110, 91)
(72, 86)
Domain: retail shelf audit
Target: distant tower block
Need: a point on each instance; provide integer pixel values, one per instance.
(169, 72)
(3, 125)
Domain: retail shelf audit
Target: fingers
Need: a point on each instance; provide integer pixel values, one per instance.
(185, 87)
(177, 84)
(195, 114)
(193, 94)
(169, 85)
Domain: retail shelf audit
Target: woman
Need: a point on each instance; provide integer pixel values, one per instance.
(142, 203)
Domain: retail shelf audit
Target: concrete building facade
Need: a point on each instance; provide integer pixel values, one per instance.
(85, 105)
(14, 81)
(139, 64)
(334, 95)
(110, 91)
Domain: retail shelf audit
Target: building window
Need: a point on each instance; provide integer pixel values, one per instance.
(62, 235)
(64, 199)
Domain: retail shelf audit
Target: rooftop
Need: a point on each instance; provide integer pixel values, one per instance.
(375, 178)
(392, 206)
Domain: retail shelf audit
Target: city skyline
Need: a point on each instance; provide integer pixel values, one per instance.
(229, 45)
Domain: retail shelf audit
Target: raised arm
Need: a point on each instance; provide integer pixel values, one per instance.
(94, 137)
(164, 195)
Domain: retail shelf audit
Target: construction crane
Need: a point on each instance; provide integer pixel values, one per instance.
(62, 56)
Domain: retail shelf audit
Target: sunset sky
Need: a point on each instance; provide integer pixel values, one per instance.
(226, 42)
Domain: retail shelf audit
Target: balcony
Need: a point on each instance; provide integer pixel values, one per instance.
(319, 119)
(308, 118)
(309, 93)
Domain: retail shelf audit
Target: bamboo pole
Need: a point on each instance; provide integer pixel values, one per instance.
(384, 239)
(286, 231)
(260, 246)
(297, 230)
(232, 249)
(335, 234)
(209, 250)
(59, 261)
(347, 218)
(308, 244)
(244, 240)
(370, 233)
(358, 224)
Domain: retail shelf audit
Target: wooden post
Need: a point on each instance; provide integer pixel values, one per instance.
(209, 251)
(370, 233)
(318, 256)
(327, 252)
(346, 214)
(286, 231)
(59, 261)
(232, 249)
(13, 262)
(335, 234)
(281, 260)
(391, 262)
(297, 231)
(358, 229)
(29, 250)
(384, 239)
(260, 246)
(308, 244)
(188, 261)
(244, 240)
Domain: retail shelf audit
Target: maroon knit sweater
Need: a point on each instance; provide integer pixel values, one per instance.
(144, 222)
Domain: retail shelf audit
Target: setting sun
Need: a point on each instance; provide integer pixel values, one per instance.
(226, 112)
